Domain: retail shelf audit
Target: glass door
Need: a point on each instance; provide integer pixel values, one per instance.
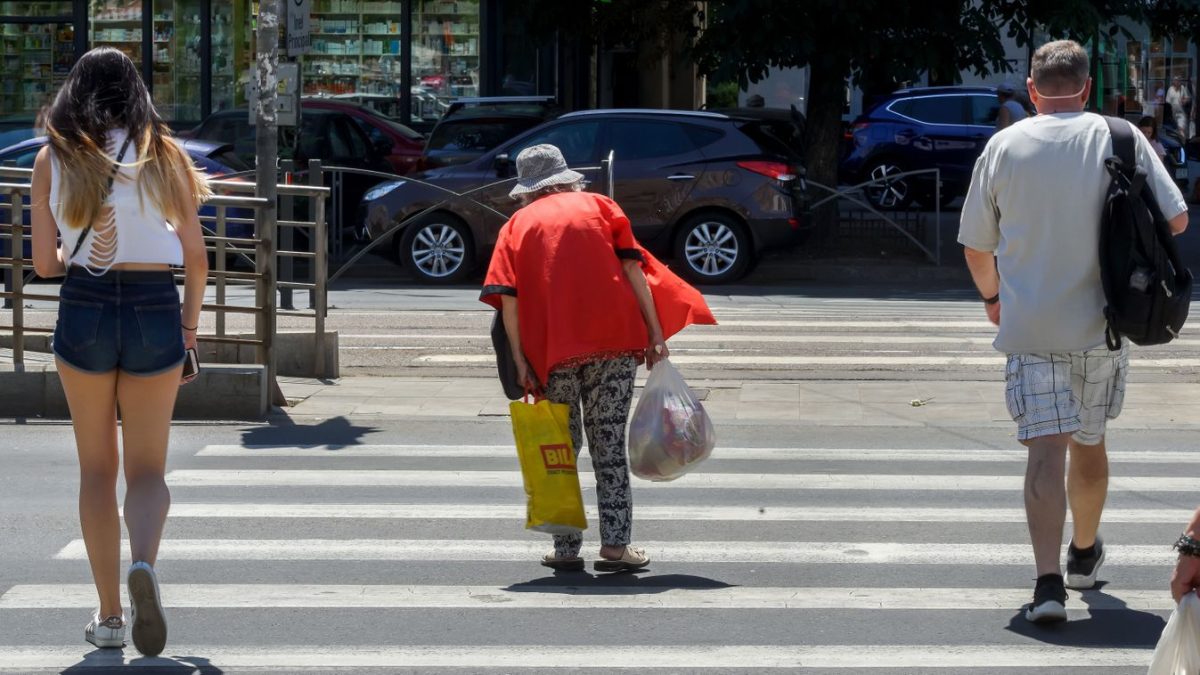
(37, 50)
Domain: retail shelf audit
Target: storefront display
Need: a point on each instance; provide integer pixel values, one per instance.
(358, 45)
(34, 57)
(198, 55)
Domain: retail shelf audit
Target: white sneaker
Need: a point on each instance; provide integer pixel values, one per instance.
(146, 612)
(105, 633)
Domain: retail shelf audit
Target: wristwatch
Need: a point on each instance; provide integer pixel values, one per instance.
(992, 300)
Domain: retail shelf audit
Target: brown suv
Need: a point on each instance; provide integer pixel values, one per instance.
(710, 190)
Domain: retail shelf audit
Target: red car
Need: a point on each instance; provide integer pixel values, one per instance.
(401, 146)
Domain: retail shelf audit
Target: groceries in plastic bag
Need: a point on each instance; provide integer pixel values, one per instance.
(1178, 650)
(670, 432)
(543, 435)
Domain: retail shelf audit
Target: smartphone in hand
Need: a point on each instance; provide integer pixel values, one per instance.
(191, 364)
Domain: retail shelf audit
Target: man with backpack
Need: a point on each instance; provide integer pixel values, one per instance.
(1031, 225)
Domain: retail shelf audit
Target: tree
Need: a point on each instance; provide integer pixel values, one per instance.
(884, 42)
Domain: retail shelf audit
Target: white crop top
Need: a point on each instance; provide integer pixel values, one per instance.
(138, 232)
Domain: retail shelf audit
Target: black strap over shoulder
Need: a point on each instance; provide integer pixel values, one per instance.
(111, 179)
(1124, 145)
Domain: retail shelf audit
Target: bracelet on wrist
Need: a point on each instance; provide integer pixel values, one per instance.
(197, 326)
(1187, 545)
(992, 300)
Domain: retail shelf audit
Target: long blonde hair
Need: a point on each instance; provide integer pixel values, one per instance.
(104, 92)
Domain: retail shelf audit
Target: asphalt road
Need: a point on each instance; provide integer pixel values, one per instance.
(386, 545)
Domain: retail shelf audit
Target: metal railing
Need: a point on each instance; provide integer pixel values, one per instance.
(855, 196)
(233, 205)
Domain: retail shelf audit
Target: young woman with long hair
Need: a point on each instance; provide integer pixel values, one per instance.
(122, 196)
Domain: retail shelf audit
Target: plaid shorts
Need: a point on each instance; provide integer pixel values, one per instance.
(1066, 393)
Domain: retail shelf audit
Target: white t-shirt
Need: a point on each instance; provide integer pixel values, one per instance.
(1035, 199)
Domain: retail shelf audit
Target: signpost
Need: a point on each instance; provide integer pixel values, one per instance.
(299, 27)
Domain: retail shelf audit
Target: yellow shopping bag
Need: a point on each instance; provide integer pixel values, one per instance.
(543, 434)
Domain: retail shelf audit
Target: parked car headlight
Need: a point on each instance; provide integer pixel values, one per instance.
(381, 190)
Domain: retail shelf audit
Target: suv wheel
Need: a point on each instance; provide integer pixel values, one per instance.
(885, 192)
(714, 249)
(437, 249)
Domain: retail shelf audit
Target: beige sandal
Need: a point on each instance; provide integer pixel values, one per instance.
(563, 564)
(631, 559)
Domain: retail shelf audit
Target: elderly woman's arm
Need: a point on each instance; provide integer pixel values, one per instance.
(1186, 578)
(512, 327)
(657, 349)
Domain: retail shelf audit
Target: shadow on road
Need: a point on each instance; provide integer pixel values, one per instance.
(585, 583)
(1111, 624)
(112, 661)
(332, 434)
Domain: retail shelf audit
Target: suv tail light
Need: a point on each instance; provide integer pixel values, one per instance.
(777, 170)
(854, 129)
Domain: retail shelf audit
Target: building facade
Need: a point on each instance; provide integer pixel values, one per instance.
(196, 55)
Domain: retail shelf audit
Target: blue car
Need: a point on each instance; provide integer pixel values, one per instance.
(214, 159)
(937, 127)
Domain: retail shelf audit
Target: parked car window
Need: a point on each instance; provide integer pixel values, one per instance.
(477, 135)
(345, 140)
(25, 159)
(776, 138)
(702, 137)
(644, 140)
(984, 110)
(230, 159)
(937, 110)
(312, 142)
(577, 140)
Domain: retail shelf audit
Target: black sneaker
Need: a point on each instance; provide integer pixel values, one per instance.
(1084, 566)
(1049, 600)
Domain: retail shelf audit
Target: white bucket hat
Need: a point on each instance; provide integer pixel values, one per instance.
(541, 166)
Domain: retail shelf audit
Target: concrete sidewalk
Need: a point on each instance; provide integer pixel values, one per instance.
(812, 403)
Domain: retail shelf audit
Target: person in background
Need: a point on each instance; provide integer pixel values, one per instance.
(1011, 111)
(1149, 128)
(123, 198)
(1180, 100)
(1186, 577)
(574, 291)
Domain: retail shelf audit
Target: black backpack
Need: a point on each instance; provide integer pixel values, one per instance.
(1146, 286)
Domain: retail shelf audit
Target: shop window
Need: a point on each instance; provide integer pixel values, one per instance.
(446, 42)
(35, 58)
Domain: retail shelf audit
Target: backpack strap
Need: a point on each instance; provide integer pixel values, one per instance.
(112, 177)
(1124, 145)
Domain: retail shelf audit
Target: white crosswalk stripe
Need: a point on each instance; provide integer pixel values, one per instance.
(375, 596)
(346, 511)
(770, 552)
(601, 658)
(715, 481)
(849, 334)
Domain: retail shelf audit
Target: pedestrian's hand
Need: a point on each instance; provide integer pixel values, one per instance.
(189, 342)
(526, 376)
(657, 351)
(993, 313)
(1186, 577)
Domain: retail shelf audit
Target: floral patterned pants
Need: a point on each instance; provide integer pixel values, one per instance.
(605, 390)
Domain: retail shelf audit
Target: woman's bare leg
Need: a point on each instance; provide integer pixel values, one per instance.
(92, 400)
(146, 407)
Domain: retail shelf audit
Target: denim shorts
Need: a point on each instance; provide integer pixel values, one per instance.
(124, 319)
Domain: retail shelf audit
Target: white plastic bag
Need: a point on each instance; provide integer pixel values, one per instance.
(1178, 650)
(670, 433)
